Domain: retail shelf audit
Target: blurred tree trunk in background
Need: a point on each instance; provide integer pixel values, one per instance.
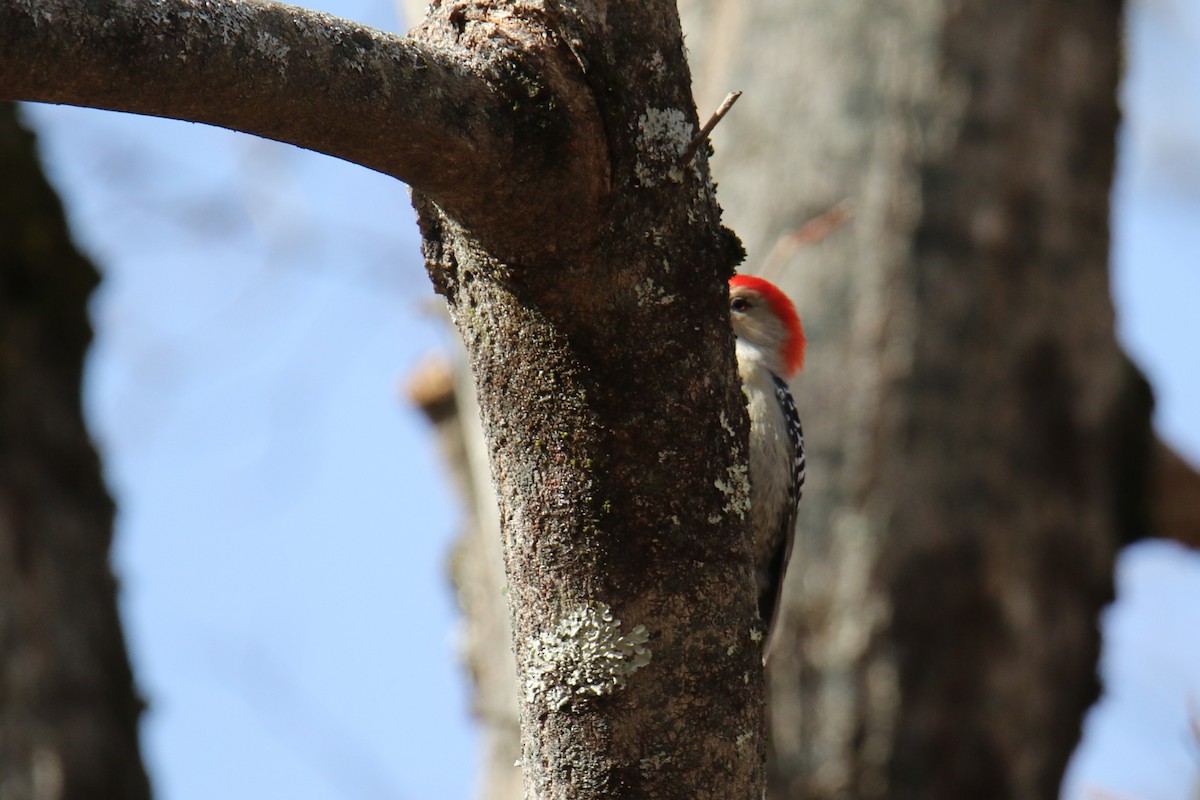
(446, 395)
(68, 708)
(965, 394)
(979, 446)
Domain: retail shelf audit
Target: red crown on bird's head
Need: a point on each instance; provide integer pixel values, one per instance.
(781, 305)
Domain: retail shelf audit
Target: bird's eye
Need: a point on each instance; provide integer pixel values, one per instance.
(739, 304)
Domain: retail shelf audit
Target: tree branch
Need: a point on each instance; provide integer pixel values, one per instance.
(457, 129)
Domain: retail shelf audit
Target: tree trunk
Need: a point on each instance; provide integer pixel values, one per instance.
(68, 708)
(968, 486)
(604, 376)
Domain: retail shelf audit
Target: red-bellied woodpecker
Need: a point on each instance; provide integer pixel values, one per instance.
(770, 350)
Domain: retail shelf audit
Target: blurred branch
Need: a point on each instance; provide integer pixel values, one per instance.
(442, 390)
(1175, 500)
(811, 232)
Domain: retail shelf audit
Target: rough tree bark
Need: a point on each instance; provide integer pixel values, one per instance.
(68, 708)
(585, 266)
(617, 356)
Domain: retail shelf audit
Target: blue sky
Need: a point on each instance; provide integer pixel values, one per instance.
(284, 520)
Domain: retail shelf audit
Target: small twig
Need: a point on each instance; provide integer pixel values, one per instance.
(698, 140)
(810, 232)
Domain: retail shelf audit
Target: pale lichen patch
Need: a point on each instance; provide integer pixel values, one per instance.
(654, 763)
(663, 135)
(736, 489)
(30, 8)
(274, 48)
(233, 23)
(657, 63)
(650, 293)
(586, 655)
(725, 426)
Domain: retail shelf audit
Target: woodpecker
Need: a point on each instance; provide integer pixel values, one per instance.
(770, 350)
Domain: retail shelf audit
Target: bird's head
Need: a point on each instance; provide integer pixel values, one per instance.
(765, 321)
